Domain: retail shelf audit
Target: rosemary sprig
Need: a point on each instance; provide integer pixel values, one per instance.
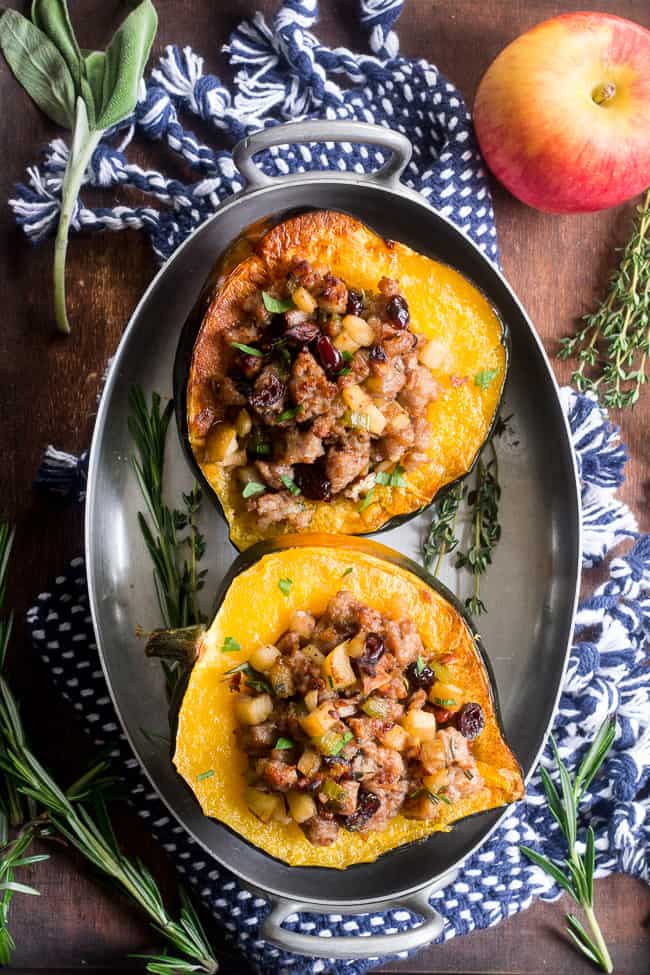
(614, 343)
(177, 577)
(441, 538)
(483, 499)
(80, 816)
(575, 874)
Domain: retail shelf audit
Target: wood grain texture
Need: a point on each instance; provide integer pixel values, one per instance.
(48, 393)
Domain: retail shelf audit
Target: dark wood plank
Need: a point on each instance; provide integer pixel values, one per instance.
(49, 393)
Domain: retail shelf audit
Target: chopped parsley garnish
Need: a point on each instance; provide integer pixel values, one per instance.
(253, 677)
(230, 645)
(394, 478)
(275, 305)
(330, 681)
(340, 745)
(437, 797)
(290, 485)
(344, 372)
(444, 702)
(290, 413)
(420, 664)
(347, 571)
(282, 744)
(346, 355)
(483, 378)
(367, 500)
(252, 488)
(285, 586)
(205, 775)
(248, 349)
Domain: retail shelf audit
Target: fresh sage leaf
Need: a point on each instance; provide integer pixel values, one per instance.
(275, 305)
(126, 57)
(95, 67)
(52, 17)
(39, 67)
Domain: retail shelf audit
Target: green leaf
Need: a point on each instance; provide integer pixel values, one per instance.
(290, 485)
(420, 664)
(346, 572)
(230, 645)
(582, 939)
(205, 775)
(589, 864)
(283, 744)
(126, 57)
(39, 67)
(275, 305)
(52, 17)
(252, 488)
(596, 755)
(95, 68)
(550, 868)
(285, 586)
(483, 378)
(290, 413)
(366, 501)
(568, 798)
(248, 349)
(19, 888)
(553, 798)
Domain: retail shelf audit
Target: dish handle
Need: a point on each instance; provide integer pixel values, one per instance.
(323, 130)
(355, 946)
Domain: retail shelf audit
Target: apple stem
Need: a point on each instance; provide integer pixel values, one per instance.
(604, 93)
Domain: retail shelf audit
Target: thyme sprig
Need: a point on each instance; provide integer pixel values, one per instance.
(612, 347)
(575, 874)
(79, 815)
(175, 544)
(483, 500)
(441, 538)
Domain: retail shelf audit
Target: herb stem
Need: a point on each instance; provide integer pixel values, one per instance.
(599, 942)
(84, 143)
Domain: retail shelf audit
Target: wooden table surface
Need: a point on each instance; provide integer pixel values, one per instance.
(49, 387)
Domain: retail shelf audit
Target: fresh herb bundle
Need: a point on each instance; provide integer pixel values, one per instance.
(86, 92)
(614, 343)
(79, 816)
(175, 544)
(482, 501)
(575, 874)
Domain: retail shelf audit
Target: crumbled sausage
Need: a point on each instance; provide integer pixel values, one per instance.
(309, 387)
(347, 461)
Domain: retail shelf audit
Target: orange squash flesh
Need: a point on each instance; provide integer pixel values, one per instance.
(444, 306)
(255, 612)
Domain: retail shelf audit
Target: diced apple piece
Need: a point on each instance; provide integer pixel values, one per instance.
(446, 696)
(309, 762)
(243, 423)
(253, 710)
(344, 343)
(358, 330)
(318, 721)
(301, 806)
(357, 645)
(220, 442)
(311, 700)
(396, 737)
(337, 669)
(420, 725)
(377, 420)
(436, 355)
(264, 805)
(314, 654)
(356, 398)
(263, 658)
(439, 780)
(304, 300)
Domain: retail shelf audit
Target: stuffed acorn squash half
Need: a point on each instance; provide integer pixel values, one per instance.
(338, 706)
(338, 380)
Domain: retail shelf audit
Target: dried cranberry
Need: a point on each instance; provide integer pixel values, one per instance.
(372, 651)
(313, 482)
(268, 391)
(309, 785)
(421, 676)
(250, 365)
(355, 302)
(367, 805)
(470, 720)
(303, 332)
(330, 357)
(397, 311)
(378, 353)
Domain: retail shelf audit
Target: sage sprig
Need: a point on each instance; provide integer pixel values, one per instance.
(575, 874)
(86, 92)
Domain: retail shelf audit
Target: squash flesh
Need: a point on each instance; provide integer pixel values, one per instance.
(205, 736)
(444, 306)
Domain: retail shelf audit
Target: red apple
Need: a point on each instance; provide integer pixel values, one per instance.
(563, 113)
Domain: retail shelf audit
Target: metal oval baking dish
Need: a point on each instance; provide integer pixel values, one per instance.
(535, 577)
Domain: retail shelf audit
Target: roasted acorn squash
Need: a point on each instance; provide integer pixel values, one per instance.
(253, 610)
(470, 365)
